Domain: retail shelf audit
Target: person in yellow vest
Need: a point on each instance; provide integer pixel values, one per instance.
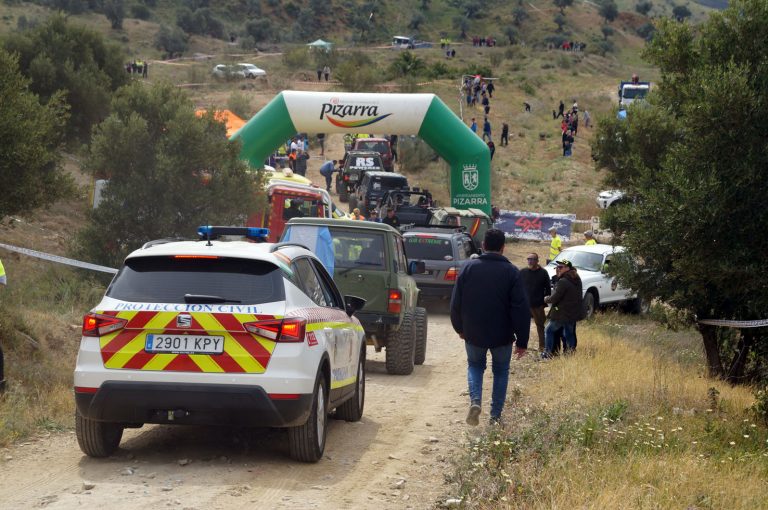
(556, 246)
(3, 281)
(590, 237)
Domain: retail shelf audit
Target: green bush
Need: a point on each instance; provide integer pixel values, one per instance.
(358, 73)
(140, 11)
(240, 105)
(414, 154)
(496, 59)
(296, 58)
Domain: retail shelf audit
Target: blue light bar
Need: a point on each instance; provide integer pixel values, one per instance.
(212, 232)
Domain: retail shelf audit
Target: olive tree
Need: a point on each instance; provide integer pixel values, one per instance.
(692, 160)
(30, 135)
(168, 172)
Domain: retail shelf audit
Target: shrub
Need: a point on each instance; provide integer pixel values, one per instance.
(140, 11)
(240, 105)
(296, 58)
(496, 59)
(358, 73)
(414, 154)
(646, 31)
(173, 41)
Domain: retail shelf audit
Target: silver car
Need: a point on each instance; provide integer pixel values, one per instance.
(443, 251)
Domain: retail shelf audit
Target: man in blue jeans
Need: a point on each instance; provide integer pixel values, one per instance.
(566, 308)
(489, 310)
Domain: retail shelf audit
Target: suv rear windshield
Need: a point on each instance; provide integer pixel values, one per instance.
(428, 248)
(380, 183)
(167, 279)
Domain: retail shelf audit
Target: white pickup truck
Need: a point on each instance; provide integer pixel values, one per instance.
(598, 286)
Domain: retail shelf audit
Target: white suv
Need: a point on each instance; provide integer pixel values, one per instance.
(598, 286)
(215, 332)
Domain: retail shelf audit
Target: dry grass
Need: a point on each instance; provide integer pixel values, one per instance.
(624, 423)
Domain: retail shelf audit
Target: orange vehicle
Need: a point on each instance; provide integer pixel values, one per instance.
(287, 200)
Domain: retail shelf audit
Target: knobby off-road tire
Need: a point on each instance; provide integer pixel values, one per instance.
(401, 348)
(343, 195)
(96, 438)
(352, 409)
(307, 442)
(352, 203)
(420, 330)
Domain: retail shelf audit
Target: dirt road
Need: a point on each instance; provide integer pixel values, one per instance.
(394, 458)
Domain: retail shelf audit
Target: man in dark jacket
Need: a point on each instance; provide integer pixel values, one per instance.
(489, 310)
(537, 286)
(567, 308)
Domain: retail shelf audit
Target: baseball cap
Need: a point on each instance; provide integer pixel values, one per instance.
(565, 262)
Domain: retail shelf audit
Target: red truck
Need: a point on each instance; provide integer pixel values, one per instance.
(288, 200)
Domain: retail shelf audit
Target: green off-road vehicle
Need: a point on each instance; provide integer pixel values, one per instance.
(368, 260)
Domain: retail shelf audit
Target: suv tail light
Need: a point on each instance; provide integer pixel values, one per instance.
(95, 324)
(280, 330)
(395, 301)
(451, 274)
(346, 177)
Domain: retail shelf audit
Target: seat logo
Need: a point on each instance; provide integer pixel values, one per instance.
(183, 320)
(469, 177)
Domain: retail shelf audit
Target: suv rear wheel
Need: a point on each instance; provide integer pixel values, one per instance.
(352, 203)
(352, 409)
(307, 441)
(420, 327)
(97, 438)
(401, 348)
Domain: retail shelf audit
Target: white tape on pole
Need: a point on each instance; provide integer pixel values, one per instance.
(59, 259)
(762, 323)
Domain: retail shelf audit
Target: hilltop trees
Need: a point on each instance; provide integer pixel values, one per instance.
(608, 10)
(169, 172)
(693, 161)
(30, 135)
(681, 12)
(562, 4)
(60, 57)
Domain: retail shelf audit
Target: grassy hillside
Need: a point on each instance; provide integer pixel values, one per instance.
(42, 310)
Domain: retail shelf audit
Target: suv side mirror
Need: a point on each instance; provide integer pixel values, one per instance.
(417, 267)
(353, 304)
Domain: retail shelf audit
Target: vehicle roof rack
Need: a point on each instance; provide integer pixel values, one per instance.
(286, 244)
(165, 240)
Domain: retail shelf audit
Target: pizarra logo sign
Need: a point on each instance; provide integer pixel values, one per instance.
(469, 177)
(335, 111)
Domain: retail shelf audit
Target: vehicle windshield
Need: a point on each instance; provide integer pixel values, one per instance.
(582, 260)
(167, 279)
(428, 248)
(380, 147)
(630, 93)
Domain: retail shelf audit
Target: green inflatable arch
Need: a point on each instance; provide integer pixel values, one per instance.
(425, 115)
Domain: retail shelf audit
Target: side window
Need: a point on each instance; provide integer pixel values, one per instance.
(310, 283)
(333, 297)
(401, 264)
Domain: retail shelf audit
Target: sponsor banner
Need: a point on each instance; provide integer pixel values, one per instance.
(531, 225)
(342, 112)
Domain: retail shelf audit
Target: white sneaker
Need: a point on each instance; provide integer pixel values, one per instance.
(473, 416)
